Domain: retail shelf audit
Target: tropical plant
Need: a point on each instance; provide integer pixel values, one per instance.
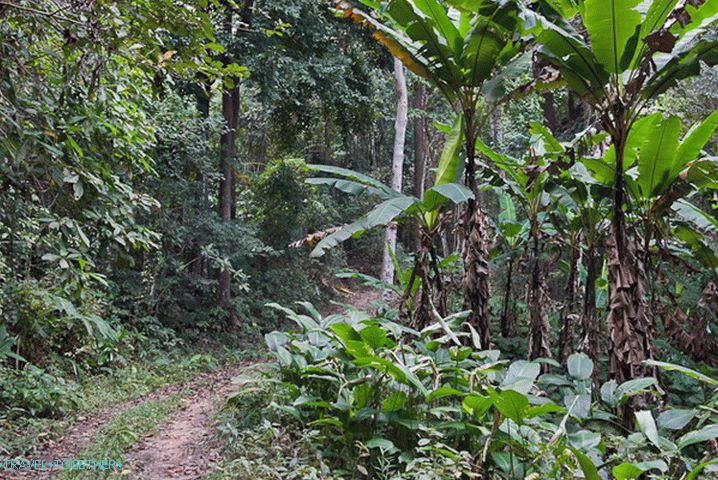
(426, 212)
(376, 392)
(633, 52)
(464, 51)
(526, 179)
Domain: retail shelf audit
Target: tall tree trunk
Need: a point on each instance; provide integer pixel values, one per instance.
(203, 96)
(227, 152)
(421, 145)
(476, 281)
(536, 297)
(397, 163)
(568, 314)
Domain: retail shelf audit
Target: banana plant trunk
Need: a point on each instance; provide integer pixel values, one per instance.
(590, 328)
(476, 281)
(629, 327)
(535, 298)
(568, 315)
(508, 320)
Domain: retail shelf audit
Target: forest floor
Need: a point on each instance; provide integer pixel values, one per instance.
(167, 433)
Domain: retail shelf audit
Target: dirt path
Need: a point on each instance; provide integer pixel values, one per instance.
(191, 424)
(360, 298)
(184, 448)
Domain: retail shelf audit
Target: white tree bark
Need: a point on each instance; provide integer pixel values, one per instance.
(397, 164)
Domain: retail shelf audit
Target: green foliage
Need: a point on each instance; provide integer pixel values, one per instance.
(369, 384)
(33, 391)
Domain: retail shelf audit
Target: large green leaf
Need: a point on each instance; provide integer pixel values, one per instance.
(656, 158)
(440, 18)
(382, 214)
(694, 141)
(424, 30)
(437, 196)
(684, 370)
(448, 170)
(590, 472)
(698, 436)
(450, 164)
(488, 44)
(577, 63)
(626, 471)
(512, 405)
(613, 26)
(579, 366)
(675, 419)
(349, 186)
(353, 176)
(689, 212)
(647, 425)
(387, 211)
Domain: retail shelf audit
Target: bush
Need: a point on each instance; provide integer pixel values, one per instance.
(36, 392)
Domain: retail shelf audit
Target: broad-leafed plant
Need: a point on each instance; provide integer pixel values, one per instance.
(425, 211)
(463, 48)
(620, 56)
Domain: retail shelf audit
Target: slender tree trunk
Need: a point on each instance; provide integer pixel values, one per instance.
(539, 328)
(421, 146)
(568, 315)
(397, 164)
(228, 140)
(508, 321)
(203, 96)
(476, 281)
(262, 153)
(590, 330)
(327, 147)
(227, 153)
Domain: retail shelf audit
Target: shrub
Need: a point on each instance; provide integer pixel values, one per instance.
(36, 392)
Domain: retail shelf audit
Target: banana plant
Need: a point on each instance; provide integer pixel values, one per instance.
(395, 206)
(467, 50)
(526, 180)
(582, 210)
(512, 233)
(634, 50)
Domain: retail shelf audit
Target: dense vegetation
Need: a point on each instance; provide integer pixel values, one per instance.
(529, 189)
